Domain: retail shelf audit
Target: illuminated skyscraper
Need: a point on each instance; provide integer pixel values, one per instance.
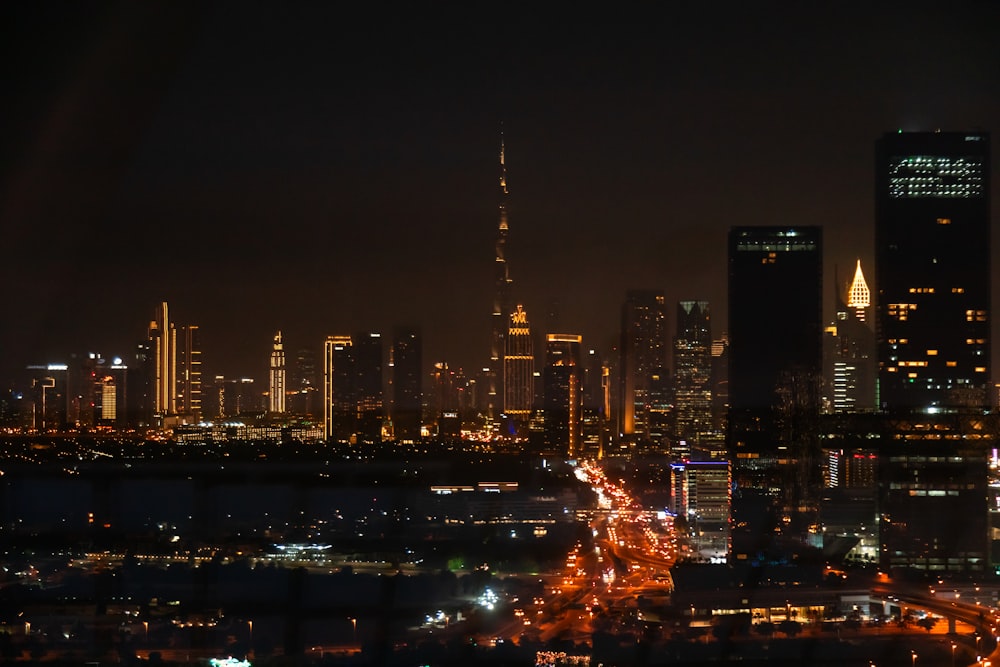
(849, 349)
(352, 388)
(276, 376)
(338, 395)
(163, 343)
(932, 277)
(189, 372)
(501, 302)
(519, 370)
(406, 376)
(700, 492)
(932, 270)
(692, 373)
(643, 354)
(563, 394)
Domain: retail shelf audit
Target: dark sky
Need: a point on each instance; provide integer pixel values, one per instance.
(263, 166)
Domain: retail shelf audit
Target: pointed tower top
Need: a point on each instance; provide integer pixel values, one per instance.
(859, 296)
(503, 165)
(277, 340)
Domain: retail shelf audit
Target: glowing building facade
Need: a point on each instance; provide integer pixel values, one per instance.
(692, 374)
(189, 373)
(519, 371)
(163, 357)
(501, 304)
(849, 349)
(700, 493)
(643, 354)
(276, 376)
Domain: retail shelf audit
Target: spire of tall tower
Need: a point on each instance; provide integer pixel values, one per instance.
(501, 298)
(859, 296)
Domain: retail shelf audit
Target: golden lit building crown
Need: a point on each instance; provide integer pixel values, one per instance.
(859, 296)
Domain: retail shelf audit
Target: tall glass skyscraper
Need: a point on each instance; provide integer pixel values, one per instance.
(775, 373)
(644, 341)
(692, 374)
(563, 390)
(932, 249)
(407, 383)
(932, 270)
(276, 377)
(519, 371)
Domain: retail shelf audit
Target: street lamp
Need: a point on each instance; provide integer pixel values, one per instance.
(913, 656)
(953, 654)
(354, 627)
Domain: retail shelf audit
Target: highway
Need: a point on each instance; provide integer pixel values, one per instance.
(633, 552)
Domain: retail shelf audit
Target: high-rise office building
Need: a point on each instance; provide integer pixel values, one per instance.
(352, 388)
(932, 251)
(518, 372)
(303, 391)
(189, 372)
(849, 349)
(338, 392)
(775, 313)
(596, 405)
(367, 352)
(406, 360)
(276, 377)
(700, 493)
(171, 357)
(720, 383)
(501, 302)
(775, 373)
(692, 374)
(932, 270)
(643, 354)
(563, 394)
(445, 402)
(163, 345)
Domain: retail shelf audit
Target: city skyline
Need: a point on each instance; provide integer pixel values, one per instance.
(322, 187)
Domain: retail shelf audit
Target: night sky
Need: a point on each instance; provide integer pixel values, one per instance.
(318, 171)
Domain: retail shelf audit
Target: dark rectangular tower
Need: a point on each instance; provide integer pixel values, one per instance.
(775, 372)
(932, 270)
(775, 311)
(932, 250)
(407, 376)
